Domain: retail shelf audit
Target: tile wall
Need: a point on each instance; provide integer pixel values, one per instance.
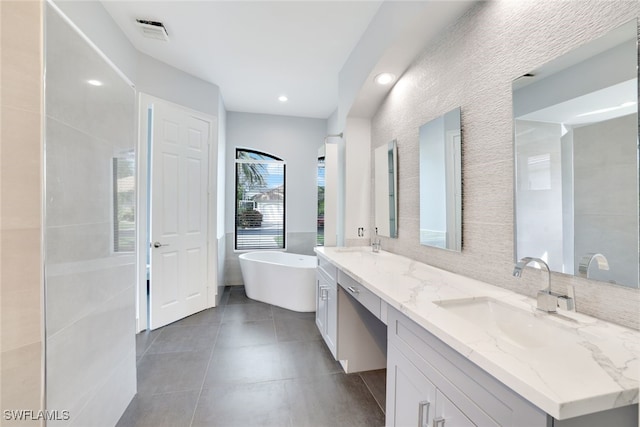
(472, 65)
(90, 282)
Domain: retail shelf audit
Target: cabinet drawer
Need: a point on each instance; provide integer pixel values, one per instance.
(363, 295)
(328, 268)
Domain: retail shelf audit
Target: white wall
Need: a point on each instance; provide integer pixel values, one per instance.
(220, 197)
(164, 81)
(473, 65)
(295, 140)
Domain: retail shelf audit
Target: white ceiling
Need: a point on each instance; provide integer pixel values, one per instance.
(255, 51)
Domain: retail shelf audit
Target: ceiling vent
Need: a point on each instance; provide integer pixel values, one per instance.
(153, 29)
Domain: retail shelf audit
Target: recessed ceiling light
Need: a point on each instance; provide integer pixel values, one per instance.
(384, 78)
(283, 98)
(95, 82)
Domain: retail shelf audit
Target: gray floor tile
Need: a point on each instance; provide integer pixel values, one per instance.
(206, 317)
(284, 313)
(244, 334)
(376, 382)
(172, 372)
(247, 312)
(237, 295)
(165, 410)
(290, 328)
(307, 358)
(332, 400)
(225, 297)
(185, 338)
(242, 405)
(262, 366)
(244, 365)
(144, 339)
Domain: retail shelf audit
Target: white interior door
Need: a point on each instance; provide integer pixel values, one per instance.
(179, 176)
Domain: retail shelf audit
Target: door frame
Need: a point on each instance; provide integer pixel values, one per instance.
(145, 102)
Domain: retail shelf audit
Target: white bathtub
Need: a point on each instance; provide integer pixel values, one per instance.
(280, 278)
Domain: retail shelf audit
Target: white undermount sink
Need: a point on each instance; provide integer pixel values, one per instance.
(508, 323)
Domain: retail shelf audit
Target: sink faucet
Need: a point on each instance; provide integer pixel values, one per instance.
(587, 260)
(546, 301)
(375, 242)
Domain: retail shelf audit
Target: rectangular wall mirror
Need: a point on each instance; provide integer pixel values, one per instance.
(576, 160)
(441, 182)
(386, 190)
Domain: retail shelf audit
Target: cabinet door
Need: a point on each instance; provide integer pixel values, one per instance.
(332, 318)
(321, 303)
(326, 309)
(411, 397)
(447, 414)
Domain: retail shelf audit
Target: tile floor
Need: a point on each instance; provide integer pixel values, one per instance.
(246, 363)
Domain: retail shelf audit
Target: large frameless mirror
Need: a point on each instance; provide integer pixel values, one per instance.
(576, 160)
(386, 190)
(441, 182)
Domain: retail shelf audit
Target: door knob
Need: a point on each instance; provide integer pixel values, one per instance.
(158, 244)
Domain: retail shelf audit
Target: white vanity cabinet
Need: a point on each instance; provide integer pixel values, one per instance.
(327, 304)
(430, 384)
(434, 381)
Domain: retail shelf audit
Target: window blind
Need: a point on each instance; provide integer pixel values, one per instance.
(260, 201)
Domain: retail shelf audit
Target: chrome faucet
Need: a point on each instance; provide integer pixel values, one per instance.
(546, 301)
(375, 242)
(587, 260)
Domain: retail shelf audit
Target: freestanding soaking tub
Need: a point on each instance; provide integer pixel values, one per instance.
(280, 278)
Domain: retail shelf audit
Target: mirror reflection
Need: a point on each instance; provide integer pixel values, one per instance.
(440, 182)
(576, 160)
(386, 190)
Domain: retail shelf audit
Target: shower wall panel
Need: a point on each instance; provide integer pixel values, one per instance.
(90, 269)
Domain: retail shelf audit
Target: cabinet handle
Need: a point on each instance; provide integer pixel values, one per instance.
(353, 290)
(438, 422)
(423, 419)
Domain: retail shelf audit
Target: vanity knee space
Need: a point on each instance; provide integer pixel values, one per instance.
(348, 317)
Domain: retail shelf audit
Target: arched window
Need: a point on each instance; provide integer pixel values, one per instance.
(260, 201)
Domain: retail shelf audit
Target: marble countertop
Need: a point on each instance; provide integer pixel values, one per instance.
(595, 368)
